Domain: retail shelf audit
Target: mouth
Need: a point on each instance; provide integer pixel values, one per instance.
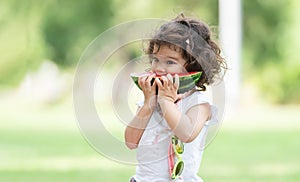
(160, 74)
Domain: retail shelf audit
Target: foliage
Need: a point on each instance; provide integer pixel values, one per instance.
(34, 31)
(263, 22)
(21, 45)
(280, 83)
(69, 26)
(56, 30)
(270, 48)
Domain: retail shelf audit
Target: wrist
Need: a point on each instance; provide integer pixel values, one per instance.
(150, 103)
(162, 100)
(146, 109)
(165, 104)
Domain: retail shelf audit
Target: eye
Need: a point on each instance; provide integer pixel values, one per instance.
(171, 62)
(153, 60)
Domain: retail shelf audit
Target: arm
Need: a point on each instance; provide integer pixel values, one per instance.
(186, 126)
(135, 129)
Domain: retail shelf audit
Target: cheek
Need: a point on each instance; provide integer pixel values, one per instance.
(176, 69)
(183, 67)
(183, 70)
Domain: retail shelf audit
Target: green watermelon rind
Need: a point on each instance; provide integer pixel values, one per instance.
(186, 82)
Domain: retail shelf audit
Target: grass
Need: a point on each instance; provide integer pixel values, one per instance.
(40, 144)
(253, 156)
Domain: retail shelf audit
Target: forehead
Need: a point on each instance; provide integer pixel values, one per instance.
(166, 50)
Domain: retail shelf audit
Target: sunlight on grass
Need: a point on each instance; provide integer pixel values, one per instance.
(59, 163)
(44, 143)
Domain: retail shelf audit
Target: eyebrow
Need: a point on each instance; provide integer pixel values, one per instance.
(176, 58)
(171, 57)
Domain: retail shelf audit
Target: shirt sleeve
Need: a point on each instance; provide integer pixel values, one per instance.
(195, 99)
(201, 98)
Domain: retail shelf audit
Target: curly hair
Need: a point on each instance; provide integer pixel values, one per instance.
(193, 38)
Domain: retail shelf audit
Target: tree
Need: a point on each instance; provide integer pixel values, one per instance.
(269, 43)
(69, 26)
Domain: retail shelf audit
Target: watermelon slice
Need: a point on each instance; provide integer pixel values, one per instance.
(187, 81)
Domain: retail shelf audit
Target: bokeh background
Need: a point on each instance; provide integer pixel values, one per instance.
(41, 43)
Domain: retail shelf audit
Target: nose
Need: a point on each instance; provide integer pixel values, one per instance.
(158, 68)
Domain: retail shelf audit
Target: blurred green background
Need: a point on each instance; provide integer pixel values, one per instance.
(41, 43)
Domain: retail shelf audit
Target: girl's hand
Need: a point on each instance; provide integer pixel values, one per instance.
(149, 90)
(167, 88)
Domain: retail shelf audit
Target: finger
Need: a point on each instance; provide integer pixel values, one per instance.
(165, 81)
(158, 83)
(153, 82)
(150, 79)
(170, 79)
(142, 80)
(176, 82)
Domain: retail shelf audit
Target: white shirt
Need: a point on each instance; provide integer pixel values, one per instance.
(152, 151)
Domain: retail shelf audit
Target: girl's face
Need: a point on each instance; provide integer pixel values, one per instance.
(167, 60)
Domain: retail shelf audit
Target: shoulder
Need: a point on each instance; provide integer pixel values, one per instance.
(200, 110)
(197, 98)
(196, 105)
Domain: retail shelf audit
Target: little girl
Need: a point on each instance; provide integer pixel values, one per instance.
(169, 129)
